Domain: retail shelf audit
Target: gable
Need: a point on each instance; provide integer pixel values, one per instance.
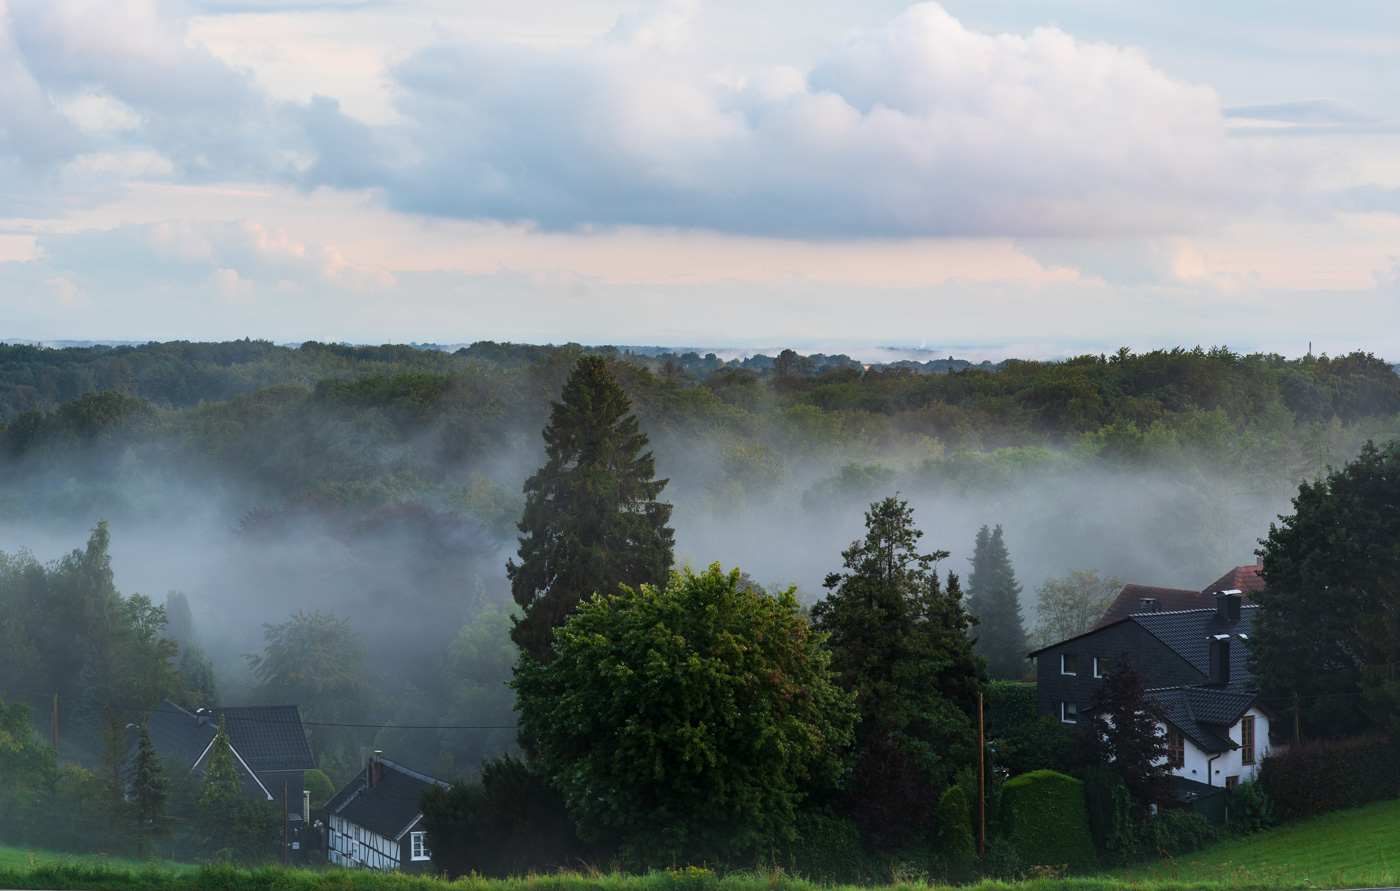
(390, 807)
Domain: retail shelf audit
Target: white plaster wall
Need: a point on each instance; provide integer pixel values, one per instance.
(1227, 764)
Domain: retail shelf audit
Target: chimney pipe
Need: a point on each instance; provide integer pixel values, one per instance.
(1220, 659)
(375, 772)
(1227, 605)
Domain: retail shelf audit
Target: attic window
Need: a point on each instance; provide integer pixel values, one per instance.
(1069, 663)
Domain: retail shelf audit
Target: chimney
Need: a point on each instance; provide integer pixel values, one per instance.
(1220, 659)
(1227, 605)
(1151, 605)
(376, 770)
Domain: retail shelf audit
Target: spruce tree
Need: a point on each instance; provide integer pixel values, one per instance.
(995, 599)
(150, 793)
(899, 642)
(591, 520)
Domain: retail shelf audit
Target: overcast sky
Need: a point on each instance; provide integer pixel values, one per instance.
(983, 177)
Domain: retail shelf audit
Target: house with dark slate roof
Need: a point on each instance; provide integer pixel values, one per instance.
(1135, 599)
(268, 742)
(1196, 665)
(375, 820)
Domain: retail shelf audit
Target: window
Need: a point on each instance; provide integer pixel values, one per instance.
(1176, 748)
(1069, 664)
(1247, 739)
(1101, 666)
(1069, 713)
(1231, 782)
(418, 845)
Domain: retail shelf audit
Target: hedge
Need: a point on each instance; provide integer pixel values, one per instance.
(1045, 819)
(1322, 776)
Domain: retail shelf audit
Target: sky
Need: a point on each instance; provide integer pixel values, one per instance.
(981, 177)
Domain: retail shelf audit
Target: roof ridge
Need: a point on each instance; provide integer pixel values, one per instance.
(413, 773)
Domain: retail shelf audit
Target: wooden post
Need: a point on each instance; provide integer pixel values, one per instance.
(284, 822)
(981, 782)
(54, 723)
(1297, 707)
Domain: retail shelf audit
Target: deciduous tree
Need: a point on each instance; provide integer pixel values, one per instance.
(685, 722)
(1071, 605)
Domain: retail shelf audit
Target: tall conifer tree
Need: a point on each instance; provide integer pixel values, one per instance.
(994, 598)
(591, 521)
(898, 641)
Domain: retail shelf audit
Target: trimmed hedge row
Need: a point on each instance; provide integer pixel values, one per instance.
(1330, 775)
(1047, 822)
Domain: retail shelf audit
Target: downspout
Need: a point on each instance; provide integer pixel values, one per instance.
(1209, 773)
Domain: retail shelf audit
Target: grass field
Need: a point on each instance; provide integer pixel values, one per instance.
(1350, 849)
(1347, 849)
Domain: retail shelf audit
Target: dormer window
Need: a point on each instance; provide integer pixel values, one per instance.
(1069, 663)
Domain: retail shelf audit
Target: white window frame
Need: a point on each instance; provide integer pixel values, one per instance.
(1063, 659)
(418, 846)
(1065, 713)
(1105, 662)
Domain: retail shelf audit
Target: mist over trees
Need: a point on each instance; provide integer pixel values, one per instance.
(994, 597)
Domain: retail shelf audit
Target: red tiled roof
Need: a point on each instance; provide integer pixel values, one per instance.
(1241, 578)
(1129, 600)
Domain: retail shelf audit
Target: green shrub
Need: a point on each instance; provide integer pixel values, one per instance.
(955, 841)
(1044, 817)
(1330, 775)
(1110, 812)
(1172, 833)
(319, 785)
(827, 849)
(1250, 809)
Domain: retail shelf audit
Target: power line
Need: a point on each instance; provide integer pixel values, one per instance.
(303, 723)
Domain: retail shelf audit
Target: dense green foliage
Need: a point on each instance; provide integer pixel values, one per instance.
(994, 597)
(506, 822)
(64, 628)
(592, 521)
(1330, 624)
(704, 709)
(898, 643)
(1045, 819)
(1319, 776)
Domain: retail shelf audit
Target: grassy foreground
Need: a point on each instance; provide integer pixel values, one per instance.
(1347, 849)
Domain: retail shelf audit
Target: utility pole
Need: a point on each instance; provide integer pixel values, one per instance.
(284, 822)
(53, 725)
(981, 782)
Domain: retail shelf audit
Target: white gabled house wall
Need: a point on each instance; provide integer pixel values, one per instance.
(1200, 767)
(354, 846)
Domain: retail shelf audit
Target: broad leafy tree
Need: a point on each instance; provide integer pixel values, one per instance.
(1126, 733)
(898, 642)
(1071, 605)
(994, 597)
(687, 722)
(592, 521)
(317, 661)
(1330, 624)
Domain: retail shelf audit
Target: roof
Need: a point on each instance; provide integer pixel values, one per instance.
(1129, 600)
(1188, 634)
(1241, 578)
(1204, 714)
(269, 737)
(187, 735)
(390, 807)
(1185, 790)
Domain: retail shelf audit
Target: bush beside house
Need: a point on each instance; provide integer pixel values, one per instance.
(1045, 819)
(1331, 775)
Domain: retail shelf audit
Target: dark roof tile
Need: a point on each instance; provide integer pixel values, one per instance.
(269, 737)
(390, 807)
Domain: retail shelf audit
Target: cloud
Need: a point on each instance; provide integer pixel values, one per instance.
(1305, 111)
(922, 127)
